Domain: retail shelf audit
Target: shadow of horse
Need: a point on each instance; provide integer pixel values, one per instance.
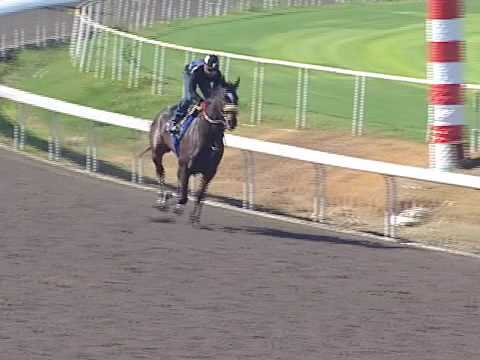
(199, 145)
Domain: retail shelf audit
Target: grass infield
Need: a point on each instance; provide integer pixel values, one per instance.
(386, 36)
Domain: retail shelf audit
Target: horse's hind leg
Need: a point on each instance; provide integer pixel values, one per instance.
(157, 158)
(183, 175)
(202, 192)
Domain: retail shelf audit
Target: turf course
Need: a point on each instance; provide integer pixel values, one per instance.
(383, 37)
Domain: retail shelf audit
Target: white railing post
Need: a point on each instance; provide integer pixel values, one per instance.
(161, 72)
(261, 82)
(120, 59)
(138, 15)
(91, 47)
(91, 149)
(131, 63)
(79, 37)
(355, 104)
(54, 142)
(320, 194)
(104, 55)
(146, 14)
(253, 110)
(302, 99)
(153, 13)
(361, 108)
(170, 15)
(16, 39)
(298, 104)
(188, 9)
(390, 206)
(156, 53)
(305, 99)
(249, 182)
(20, 127)
(133, 173)
(63, 32)
(97, 51)
(474, 146)
(114, 57)
(358, 105)
(22, 39)
(138, 64)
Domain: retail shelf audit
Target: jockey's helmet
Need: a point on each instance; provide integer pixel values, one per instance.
(211, 62)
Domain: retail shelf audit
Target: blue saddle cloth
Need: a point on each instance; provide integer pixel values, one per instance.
(177, 138)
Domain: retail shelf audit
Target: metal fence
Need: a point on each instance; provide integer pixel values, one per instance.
(280, 93)
(378, 197)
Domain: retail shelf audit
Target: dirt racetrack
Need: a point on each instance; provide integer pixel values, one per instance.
(88, 270)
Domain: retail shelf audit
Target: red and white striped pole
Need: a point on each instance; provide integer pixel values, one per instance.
(445, 70)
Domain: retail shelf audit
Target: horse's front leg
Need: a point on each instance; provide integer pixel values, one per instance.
(183, 175)
(202, 192)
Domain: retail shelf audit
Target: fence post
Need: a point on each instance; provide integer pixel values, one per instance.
(390, 206)
(298, 104)
(91, 151)
(302, 99)
(19, 127)
(131, 70)
(320, 196)
(54, 143)
(249, 184)
(138, 64)
(261, 82)
(358, 105)
(253, 114)
(103, 68)
(474, 147)
(305, 99)
(161, 72)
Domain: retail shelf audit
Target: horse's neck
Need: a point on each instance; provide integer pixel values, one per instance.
(210, 128)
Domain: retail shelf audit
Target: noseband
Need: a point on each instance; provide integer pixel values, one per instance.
(231, 109)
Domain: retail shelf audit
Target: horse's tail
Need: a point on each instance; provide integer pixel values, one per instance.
(144, 151)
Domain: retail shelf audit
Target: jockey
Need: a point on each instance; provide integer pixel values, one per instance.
(202, 73)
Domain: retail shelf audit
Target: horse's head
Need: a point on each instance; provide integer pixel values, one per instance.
(223, 105)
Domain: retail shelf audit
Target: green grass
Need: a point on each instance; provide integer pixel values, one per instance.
(383, 37)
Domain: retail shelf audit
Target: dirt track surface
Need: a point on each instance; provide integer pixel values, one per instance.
(88, 270)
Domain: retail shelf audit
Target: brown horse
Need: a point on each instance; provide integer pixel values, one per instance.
(199, 148)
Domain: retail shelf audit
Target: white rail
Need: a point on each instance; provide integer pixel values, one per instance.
(87, 21)
(237, 142)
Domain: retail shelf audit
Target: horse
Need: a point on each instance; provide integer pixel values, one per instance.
(199, 147)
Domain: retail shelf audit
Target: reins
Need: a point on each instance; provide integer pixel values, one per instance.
(228, 108)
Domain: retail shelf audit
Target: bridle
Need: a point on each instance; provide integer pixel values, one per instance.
(228, 111)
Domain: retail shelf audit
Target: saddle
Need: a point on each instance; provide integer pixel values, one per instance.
(193, 111)
(184, 125)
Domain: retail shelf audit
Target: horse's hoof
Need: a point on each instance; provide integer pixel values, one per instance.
(161, 205)
(179, 209)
